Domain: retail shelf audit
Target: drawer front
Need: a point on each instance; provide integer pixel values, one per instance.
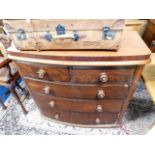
(77, 117)
(102, 75)
(117, 91)
(66, 34)
(49, 73)
(78, 105)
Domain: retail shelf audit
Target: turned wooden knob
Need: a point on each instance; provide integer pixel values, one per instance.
(99, 108)
(103, 77)
(52, 104)
(98, 121)
(47, 90)
(126, 85)
(41, 73)
(101, 94)
(56, 116)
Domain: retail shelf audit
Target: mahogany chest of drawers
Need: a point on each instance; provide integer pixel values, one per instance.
(91, 88)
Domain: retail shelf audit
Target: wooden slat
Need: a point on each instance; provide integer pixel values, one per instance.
(4, 61)
(70, 24)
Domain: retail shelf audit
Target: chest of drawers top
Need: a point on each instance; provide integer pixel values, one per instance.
(133, 51)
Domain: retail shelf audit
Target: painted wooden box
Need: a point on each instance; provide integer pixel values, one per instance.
(68, 34)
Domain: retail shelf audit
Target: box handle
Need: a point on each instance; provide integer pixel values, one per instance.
(73, 36)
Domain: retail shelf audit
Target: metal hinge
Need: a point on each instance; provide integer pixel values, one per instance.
(107, 33)
(21, 35)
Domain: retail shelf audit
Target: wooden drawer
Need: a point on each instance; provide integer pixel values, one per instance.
(77, 105)
(66, 34)
(102, 74)
(77, 91)
(77, 117)
(49, 73)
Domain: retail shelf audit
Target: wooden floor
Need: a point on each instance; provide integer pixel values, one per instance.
(149, 77)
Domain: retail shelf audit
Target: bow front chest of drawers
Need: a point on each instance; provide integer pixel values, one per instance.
(86, 88)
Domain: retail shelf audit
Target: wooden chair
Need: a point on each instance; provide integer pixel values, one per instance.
(8, 78)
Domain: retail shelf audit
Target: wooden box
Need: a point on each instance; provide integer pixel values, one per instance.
(66, 34)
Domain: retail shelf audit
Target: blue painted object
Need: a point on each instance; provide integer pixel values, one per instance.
(107, 33)
(76, 37)
(60, 30)
(48, 36)
(21, 34)
(3, 90)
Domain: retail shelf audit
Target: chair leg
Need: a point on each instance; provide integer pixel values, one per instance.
(3, 105)
(23, 90)
(18, 85)
(18, 99)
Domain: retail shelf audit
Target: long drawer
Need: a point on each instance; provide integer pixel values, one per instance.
(77, 105)
(77, 74)
(77, 117)
(78, 91)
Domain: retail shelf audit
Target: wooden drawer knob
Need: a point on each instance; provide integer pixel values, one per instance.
(56, 116)
(52, 104)
(126, 85)
(100, 94)
(103, 77)
(47, 90)
(97, 121)
(99, 108)
(41, 73)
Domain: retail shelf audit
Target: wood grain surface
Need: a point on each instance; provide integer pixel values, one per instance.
(77, 91)
(78, 105)
(90, 34)
(133, 51)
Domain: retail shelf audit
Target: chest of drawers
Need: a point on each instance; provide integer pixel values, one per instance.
(91, 88)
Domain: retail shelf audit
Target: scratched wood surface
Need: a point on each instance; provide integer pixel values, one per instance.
(133, 51)
(89, 32)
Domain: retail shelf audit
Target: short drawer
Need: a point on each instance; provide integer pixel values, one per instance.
(79, 118)
(49, 73)
(77, 105)
(78, 91)
(102, 74)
